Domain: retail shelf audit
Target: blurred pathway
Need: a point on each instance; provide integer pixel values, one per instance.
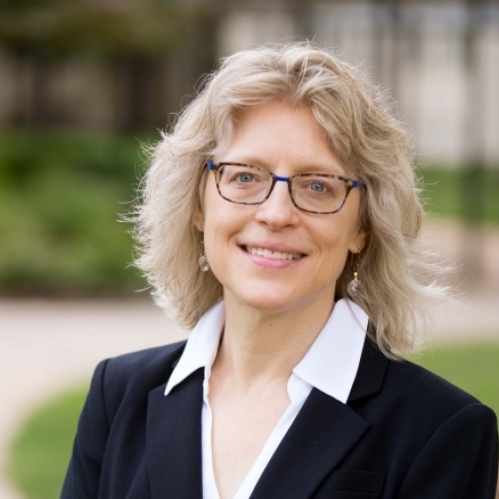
(49, 345)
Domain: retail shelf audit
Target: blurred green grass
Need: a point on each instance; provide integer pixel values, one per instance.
(466, 192)
(41, 452)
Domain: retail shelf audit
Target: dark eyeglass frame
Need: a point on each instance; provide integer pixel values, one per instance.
(349, 182)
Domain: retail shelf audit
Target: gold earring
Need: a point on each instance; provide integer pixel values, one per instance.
(354, 285)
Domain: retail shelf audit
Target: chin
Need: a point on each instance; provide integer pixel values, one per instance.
(273, 298)
(264, 302)
(270, 307)
(270, 303)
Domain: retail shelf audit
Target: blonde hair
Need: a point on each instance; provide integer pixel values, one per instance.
(397, 277)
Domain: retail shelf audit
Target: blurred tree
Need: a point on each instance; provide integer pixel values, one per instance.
(135, 38)
(61, 190)
(54, 28)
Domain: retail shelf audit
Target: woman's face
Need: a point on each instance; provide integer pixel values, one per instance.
(248, 247)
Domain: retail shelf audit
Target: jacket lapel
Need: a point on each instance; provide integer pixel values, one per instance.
(371, 373)
(321, 435)
(174, 454)
(323, 432)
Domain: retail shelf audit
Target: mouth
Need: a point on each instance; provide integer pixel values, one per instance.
(274, 255)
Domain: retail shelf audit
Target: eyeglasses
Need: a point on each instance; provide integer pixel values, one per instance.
(320, 193)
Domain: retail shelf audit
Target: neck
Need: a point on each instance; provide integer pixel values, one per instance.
(259, 348)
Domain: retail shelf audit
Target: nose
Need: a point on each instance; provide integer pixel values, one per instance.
(278, 210)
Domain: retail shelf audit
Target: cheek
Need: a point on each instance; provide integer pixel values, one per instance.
(221, 226)
(212, 213)
(335, 241)
(336, 254)
(212, 249)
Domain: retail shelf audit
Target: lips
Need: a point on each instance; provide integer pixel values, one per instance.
(272, 254)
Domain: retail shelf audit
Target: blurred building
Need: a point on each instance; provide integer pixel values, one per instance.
(440, 59)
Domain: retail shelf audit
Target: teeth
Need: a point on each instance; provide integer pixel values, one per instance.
(276, 255)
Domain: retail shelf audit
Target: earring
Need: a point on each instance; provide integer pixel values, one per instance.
(203, 263)
(354, 285)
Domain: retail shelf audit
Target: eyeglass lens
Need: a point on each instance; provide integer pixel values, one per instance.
(251, 185)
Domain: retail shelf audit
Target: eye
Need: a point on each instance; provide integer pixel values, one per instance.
(317, 187)
(245, 178)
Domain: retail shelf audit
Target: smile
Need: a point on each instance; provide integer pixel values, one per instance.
(275, 255)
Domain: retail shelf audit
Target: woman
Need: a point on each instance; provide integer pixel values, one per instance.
(280, 218)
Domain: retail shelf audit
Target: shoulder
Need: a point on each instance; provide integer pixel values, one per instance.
(410, 409)
(130, 377)
(147, 365)
(429, 399)
(404, 384)
(423, 386)
(398, 392)
(442, 435)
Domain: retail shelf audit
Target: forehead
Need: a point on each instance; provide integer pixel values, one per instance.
(279, 135)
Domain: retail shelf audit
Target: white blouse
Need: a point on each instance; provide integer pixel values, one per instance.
(330, 365)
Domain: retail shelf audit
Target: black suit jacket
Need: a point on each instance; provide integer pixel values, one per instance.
(404, 433)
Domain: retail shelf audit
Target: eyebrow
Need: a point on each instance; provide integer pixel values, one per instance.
(330, 168)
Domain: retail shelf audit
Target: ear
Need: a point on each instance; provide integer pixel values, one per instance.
(358, 241)
(199, 220)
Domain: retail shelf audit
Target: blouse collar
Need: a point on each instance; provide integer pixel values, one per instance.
(330, 365)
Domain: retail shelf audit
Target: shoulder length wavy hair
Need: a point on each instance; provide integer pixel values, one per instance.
(397, 275)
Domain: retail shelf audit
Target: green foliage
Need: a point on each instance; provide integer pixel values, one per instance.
(40, 454)
(473, 367)
(61, 197)
(470, 193)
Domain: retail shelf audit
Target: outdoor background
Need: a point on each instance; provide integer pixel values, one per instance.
(85, 85)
